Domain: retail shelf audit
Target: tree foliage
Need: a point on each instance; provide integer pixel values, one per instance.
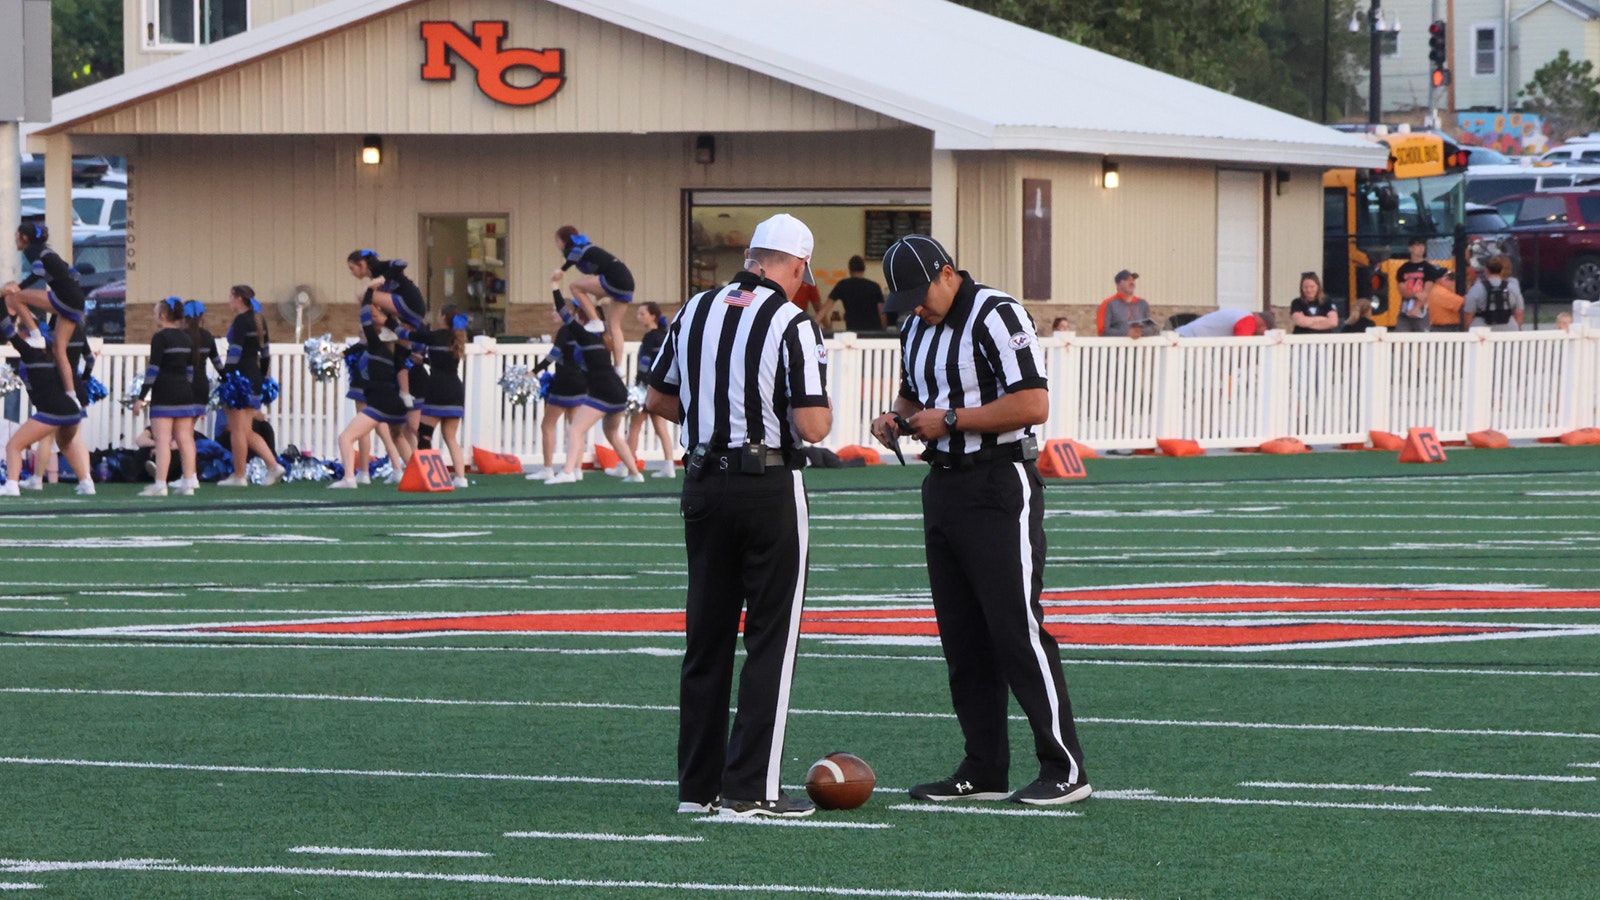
(1563, 91)
(86, 42)
(1261, 50)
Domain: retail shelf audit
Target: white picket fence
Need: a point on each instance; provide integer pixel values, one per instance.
(1109, 393)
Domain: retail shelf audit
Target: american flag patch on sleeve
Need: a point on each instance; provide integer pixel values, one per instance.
(737, 297)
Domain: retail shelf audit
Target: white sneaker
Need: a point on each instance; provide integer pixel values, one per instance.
(35, 340)
(562, 478)
(539, 474)
(275, 475)
(35, 483)
(9, 489)
(193, 481)
(363, 478)
(343, 484)
(393, 477)
(154, 490)
(617, 471)
(635, 478)
(85, 487)
(184, 489)
(460, 482)
(665, 472)
(231, 481)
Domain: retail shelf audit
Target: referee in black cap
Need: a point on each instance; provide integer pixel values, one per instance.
(972, 386)
(743, 370)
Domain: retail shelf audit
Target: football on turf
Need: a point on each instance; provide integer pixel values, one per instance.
(840, 781)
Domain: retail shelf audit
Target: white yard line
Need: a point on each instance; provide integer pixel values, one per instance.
(1491, 776)
(1298, 785)
(168, 866)
(364, 773)
(772, 821)
(1152, 797)
(985, 810)
(370, 851)
(603, 836)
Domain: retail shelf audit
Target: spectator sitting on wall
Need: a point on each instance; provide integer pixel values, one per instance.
(1228, 323)
(1061, 326)
(1360, 316)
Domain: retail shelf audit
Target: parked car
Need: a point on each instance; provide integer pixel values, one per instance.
(94, 208)
(1485, 156)
(1558, 238)
(103, 312)
(101, 258)
(86, 170)
(1486, 184)
(1574, 150)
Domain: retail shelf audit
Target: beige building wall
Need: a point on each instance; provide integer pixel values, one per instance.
(1161, 223)
(277, 212)
(367, 80)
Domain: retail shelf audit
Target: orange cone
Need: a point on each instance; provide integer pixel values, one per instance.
(1422, 446)
(426, 473)
(488, 463)
(606, 458)
(857, 451)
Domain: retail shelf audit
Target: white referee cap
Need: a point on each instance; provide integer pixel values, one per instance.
(786, 234)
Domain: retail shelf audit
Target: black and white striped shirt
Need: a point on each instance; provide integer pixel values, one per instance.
(739, 358)
(983, 349)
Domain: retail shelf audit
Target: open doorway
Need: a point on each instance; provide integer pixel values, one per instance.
(466, 266)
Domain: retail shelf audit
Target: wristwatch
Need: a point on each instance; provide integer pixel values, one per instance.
(950, 420)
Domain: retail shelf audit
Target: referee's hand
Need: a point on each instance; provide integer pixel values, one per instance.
(885, 430)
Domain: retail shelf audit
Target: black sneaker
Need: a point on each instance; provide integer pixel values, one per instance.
(1050, 792)
(954, 788)
(785, 806)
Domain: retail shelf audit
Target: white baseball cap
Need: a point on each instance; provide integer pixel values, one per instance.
(786, 234)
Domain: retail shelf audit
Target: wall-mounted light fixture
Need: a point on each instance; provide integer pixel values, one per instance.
(705, 149)
(1110, 178)
(372, 150)
(1280, 178)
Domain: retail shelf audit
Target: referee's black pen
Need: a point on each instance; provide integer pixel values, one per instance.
(903, 427)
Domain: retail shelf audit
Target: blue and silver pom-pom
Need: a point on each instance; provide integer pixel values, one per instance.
(131, 395)
(520, 384)
(95, 390)
(307, 468)
(10, 380)
(214, 399)
(234, 390)
(380, 468)
(545, 380)
(270, 390)
(255, 471)
(636, 395)
(324, 357)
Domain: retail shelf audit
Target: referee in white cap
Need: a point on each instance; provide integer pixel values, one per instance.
(973, 386)
(743, 370)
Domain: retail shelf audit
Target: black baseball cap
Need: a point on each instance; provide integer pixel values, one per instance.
(909, 266)
(1124, 274)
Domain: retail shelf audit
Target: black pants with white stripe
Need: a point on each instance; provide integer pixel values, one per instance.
(747, 538)
(986, 553)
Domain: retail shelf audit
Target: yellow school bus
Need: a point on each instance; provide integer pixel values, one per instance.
(1370, 215)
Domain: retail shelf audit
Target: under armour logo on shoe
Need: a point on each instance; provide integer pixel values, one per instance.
(1061, 785)
(964, 786)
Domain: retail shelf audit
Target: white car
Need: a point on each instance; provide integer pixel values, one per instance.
(94, 209)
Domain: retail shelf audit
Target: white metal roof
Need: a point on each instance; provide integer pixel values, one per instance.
(975, 81)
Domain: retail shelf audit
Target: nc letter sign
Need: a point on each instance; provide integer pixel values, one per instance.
(481, 50)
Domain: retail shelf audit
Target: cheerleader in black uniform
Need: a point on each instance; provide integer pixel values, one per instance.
(390, 290)
(605, 398)
(563, 394)
(194, 313)
(355, 363)
(383, 407)
(649, 315)
(54, 409)
(51, 286)
(81, 359)
(603, 276)
(169, 383)
(446, 396)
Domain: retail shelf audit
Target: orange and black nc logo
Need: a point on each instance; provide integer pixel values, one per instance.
(481, 50)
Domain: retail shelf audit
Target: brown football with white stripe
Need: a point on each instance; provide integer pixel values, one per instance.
(840, 781)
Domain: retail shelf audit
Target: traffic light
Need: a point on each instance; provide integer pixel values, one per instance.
(1438, 54)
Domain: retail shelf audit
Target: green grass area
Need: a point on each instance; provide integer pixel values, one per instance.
(142, 756)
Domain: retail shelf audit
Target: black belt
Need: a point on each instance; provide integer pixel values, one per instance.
(999, 453)
(731, 457)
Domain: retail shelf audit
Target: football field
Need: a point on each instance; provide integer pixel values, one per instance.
(1319, 676)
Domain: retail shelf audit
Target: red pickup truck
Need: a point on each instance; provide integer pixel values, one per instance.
(1558, 239)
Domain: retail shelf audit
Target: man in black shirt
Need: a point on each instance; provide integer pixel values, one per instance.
(862, 299)
(1415, 278)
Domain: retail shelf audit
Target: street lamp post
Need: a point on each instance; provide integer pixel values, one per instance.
(1375, 30)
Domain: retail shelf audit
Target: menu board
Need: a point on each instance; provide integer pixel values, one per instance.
(885, 226)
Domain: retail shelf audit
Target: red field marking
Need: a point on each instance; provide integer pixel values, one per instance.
(1061, 607)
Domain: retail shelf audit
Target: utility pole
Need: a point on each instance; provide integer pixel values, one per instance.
(1375, 76)
(24, 96)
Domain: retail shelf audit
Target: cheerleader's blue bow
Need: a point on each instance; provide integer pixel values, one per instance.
(193, 309)
(255, 305)
(459, 323)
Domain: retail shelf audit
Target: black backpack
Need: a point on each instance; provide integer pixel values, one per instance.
(1497, 308)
